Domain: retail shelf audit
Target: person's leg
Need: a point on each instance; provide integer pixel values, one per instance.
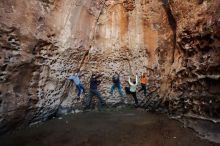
(145, 90)
(135, 97)
(127, 90)
(81, 87)
(112, 88)
(89, 100)
(79, 90)
(120, 90)
(101, 101)
(142, 88)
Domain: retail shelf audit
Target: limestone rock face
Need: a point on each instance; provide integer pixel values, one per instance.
(42, 42)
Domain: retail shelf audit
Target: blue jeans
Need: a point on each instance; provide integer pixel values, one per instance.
(117, 86)
(94, 92)
(79, 88)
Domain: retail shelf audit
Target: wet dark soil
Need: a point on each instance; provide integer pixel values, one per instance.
(108, 128)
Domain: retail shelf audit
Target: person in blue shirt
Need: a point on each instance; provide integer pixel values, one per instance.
(94, 82)
(77, 82)
(116, 83)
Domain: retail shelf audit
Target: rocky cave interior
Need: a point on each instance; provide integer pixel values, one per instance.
(175, 42)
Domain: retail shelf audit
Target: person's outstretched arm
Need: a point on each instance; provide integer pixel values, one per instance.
(129, 81)
(70, 77)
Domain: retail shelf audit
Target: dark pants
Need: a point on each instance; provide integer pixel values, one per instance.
(135, 97)
(127, 90)
(80, 88)
(143, 87)
(92, 93)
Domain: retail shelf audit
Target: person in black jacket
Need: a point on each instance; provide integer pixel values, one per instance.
(94, 82)
(116, 83)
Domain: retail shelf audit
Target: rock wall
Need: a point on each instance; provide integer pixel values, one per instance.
(44, 41)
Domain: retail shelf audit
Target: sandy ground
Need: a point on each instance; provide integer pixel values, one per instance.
(108, 128)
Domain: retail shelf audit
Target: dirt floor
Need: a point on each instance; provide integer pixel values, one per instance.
(108, 128)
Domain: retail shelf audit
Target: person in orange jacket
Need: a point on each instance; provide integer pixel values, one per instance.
(143, 84)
